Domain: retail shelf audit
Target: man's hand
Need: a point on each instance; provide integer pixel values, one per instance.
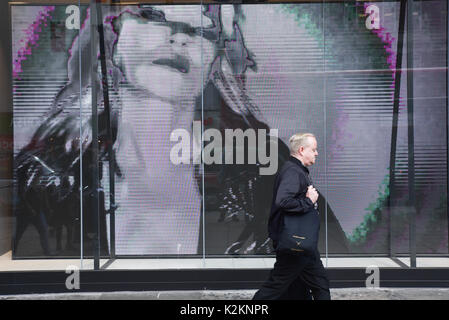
(312, 194)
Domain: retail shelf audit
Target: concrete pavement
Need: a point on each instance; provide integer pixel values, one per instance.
(336, 294)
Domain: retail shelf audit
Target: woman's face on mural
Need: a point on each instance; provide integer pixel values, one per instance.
(164, 54)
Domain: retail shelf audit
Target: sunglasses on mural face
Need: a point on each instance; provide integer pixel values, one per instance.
(209, 33)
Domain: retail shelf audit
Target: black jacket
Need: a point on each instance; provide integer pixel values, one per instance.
(289, 195)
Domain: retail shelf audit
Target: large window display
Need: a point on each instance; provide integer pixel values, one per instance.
(155, 130)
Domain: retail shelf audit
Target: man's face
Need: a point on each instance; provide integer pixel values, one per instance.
(166, 57)
(309, 152)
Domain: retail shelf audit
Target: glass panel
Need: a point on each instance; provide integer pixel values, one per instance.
(268, 81)
(46, 144)
(359, 118)
(6, 139)
(154, 57)
(421, 159)
(42, 104)
(374, 157)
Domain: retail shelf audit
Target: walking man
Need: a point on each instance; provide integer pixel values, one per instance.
(295, 276)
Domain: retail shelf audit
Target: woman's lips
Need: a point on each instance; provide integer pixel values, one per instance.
(179, 63)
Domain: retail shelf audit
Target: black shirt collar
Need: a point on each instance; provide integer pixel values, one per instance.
(299, 163)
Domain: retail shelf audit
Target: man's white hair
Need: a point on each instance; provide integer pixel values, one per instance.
(299, 140)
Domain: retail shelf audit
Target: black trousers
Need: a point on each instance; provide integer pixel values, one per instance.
(296, 278)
